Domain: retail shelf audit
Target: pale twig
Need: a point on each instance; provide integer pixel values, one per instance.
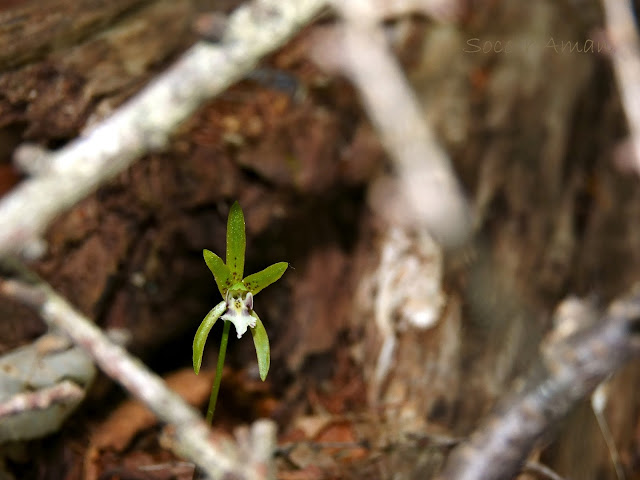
(599, 400)
(33, 414)
(431, 194)
(541, 471)
(64, 392)
(190, 435)
(576, 365)
(625, 53)
(145, 122)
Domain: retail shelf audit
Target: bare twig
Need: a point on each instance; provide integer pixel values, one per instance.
(431, 193)
(541, 471)
(190, 437)
(622, 33)
(576, 366)
(599, 400)
(41, 384)
(64, 392)
(145, 122)
(33, 414)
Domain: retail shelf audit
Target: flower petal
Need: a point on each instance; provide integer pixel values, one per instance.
(203, 332)
(266, 277)
(238, 312)
(261, 341)
(220, 271)
(236, 242)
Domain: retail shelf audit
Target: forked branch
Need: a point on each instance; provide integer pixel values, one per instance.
(576, 365)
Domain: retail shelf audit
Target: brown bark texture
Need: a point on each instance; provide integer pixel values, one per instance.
(371, 377)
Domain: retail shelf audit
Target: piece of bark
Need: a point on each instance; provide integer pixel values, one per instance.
(575, 365)
(58, 90)
(29, 29)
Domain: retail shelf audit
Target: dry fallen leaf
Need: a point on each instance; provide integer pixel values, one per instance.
(132, 417)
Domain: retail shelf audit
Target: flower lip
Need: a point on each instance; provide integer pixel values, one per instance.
(238, 312)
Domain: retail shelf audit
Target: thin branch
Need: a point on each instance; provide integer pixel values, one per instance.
(145, 122)
(431, 194)
(190, 437)
(63, 393)
(576, 366)
(33, 414)
(541, 471)
(622, 33)
(599, 400)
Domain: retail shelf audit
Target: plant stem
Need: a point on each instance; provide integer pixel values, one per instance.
(216, 382)
(215, 388)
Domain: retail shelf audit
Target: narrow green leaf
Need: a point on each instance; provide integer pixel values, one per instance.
(203, 332)
(236, 242)
(261, 341)
(220, 271)
(264, 278)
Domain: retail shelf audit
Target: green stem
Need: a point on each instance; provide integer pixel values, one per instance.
(197, 473)
(216, 383)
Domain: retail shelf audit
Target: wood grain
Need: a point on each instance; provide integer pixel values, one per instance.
(30, 29)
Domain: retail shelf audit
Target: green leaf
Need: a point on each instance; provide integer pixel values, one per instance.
(220, 271)
(203, 332)
(257, 281)
(261, 341)
(236, 242)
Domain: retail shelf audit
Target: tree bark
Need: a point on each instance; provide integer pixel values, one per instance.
(521, 97)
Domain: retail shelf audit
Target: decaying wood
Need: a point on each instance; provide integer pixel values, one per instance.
(31, 28)
(190, 437)
(530, 135)
(145, 122)
(576, 365)
(72, 86)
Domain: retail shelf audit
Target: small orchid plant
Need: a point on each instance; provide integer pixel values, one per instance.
(237, 306)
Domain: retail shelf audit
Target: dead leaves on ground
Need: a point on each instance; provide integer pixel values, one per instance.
(130, 419)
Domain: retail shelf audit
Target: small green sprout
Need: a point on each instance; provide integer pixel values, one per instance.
(237, 306)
